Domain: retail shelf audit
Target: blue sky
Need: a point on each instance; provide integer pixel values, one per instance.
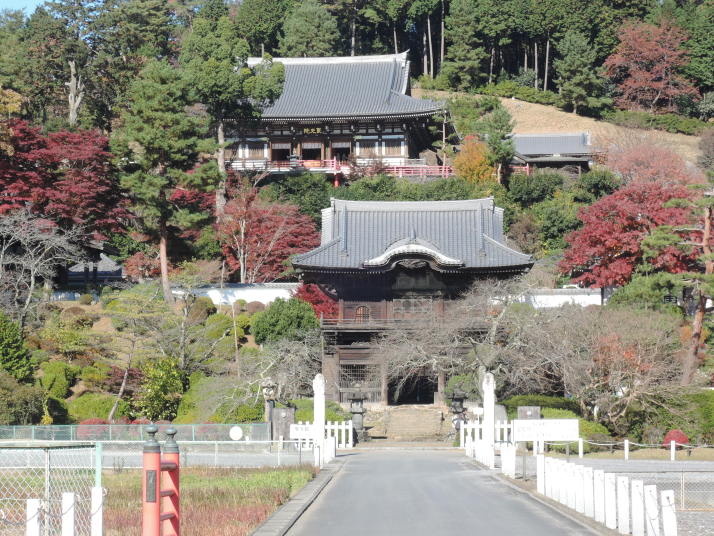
(29, 5)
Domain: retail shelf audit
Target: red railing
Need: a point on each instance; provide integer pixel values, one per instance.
(160, 486)
(335, 166)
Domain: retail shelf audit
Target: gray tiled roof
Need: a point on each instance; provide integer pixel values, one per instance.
(553, 144)
(346, 87)
(459, 235)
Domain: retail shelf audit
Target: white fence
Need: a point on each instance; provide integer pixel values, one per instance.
(37, 514)
(343, 433)
(473, 431)
(621, 504)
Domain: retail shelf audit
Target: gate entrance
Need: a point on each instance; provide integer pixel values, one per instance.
(419, 390)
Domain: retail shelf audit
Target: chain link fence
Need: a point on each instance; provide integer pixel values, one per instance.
(45, 472)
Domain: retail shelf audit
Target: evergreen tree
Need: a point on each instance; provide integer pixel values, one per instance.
(283, 319)
(578, 80)
(310, 30)
(701, 46)
(211, 53)
(260, 21)
(14, 357)
(466, 51)
(157, 145)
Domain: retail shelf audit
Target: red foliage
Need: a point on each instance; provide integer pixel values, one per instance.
(94, 420)
(258, 238)
(321, 303)
(141, 266)
(677, 436)
(606, 250)
(115, 377)
(649, 163)
(646, 66)
(65, 175)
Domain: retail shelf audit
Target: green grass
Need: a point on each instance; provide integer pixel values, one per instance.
(219, 502)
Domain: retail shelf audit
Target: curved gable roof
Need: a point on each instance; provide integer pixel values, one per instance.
(346, 87)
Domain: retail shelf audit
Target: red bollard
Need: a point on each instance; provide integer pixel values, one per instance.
(170, 492)
(151, 511)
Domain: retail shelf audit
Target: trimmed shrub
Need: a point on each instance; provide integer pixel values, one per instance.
(14, 356)
(95, 406)
(544, 401)
(200, 310)
(95, 375)
(677, 436)
(511, 88)
(529, 189)
(86, 299)
(254, 307)
(304, 410)
(284, 319)
(677, 124)
(58, 377)
(37, 357)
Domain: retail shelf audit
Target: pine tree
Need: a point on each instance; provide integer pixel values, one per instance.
(466, 52)
(578, 80)
(158, 147)
(14, 357)
(310, 30)
(211, 54)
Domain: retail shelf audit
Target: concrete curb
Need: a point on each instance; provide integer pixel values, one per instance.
(285, 517)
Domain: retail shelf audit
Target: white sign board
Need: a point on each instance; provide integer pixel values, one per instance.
(302, 432)
(546, 429)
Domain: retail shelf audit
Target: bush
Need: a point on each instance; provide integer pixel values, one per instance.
(19, 403)
(95, 405)
(200, 310)
(57, 411)
(438, 83)
(677, 436)
(511, 88)
(58, 377)
(254, 307)
(304, 410)
(463, 382)
(597, 183)
(37, 357)
(703, 404)
(243, 413)
(162, 386)
(14, 356)
(529, 189)
(283, 319)
(556, 218)
(86, 299)
(95, 375)
(544, 401)
(189, 411)
(674, 123)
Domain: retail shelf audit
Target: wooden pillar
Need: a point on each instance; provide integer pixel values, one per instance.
(440, 389)
(384, 395)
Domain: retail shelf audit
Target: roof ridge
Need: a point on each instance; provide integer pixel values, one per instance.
(376, 58)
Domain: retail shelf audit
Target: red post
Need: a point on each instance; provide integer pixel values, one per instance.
(151, 510)
(170, 491)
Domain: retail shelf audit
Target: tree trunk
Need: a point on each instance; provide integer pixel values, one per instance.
(431, 47)
(122, 388)
(394, 35)
(442, 50)
(525, 58)
(425, 55)
(545, 69)
(439, 396)
(164, 261)
(75, 94)
(353, 34)
(535, 63)
(490, 65)
(690, 360)
(221, 159)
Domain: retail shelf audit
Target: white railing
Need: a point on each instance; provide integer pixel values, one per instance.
(621, 504)
(503, 432)
(343, 432)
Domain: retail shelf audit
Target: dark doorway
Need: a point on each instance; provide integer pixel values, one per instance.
(280, 155)
(311, 154)
(418, 390)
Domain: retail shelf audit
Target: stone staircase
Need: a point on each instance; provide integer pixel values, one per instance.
(409, 423)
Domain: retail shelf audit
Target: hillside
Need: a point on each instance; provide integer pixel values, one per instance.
(537, 118)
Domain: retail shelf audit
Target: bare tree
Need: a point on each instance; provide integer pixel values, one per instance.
(31, 250)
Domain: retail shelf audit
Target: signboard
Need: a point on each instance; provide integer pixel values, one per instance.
(546, 429)
(302, 432)
(529, 412)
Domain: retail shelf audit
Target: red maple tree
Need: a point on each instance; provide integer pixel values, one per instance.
(646, 66)
(258, 237)
(608, 247)
(321, 303)
(65, 176)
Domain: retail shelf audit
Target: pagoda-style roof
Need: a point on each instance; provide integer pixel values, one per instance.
(375, 236)
(351, 87)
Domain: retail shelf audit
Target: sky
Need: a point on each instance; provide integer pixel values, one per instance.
(29, 5)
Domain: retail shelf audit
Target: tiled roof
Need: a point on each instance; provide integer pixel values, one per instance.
(346, 87)
(553, 144)
(456, 235)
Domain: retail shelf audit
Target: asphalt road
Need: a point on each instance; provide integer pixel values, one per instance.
(430, 493)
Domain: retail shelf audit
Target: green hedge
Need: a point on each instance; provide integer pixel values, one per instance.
(58, 377)
(304, 411)
(674, 123)
(544, 401)
(95, 405)
(510, 89)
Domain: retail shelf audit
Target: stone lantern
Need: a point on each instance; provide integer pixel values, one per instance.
(269, 388)
(357, 399)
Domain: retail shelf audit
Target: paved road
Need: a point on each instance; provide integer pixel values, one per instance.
(430, 493)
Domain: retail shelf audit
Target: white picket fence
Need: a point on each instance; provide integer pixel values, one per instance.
(473, 430)
(341, 431)
(621, 504)
(36, 513)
